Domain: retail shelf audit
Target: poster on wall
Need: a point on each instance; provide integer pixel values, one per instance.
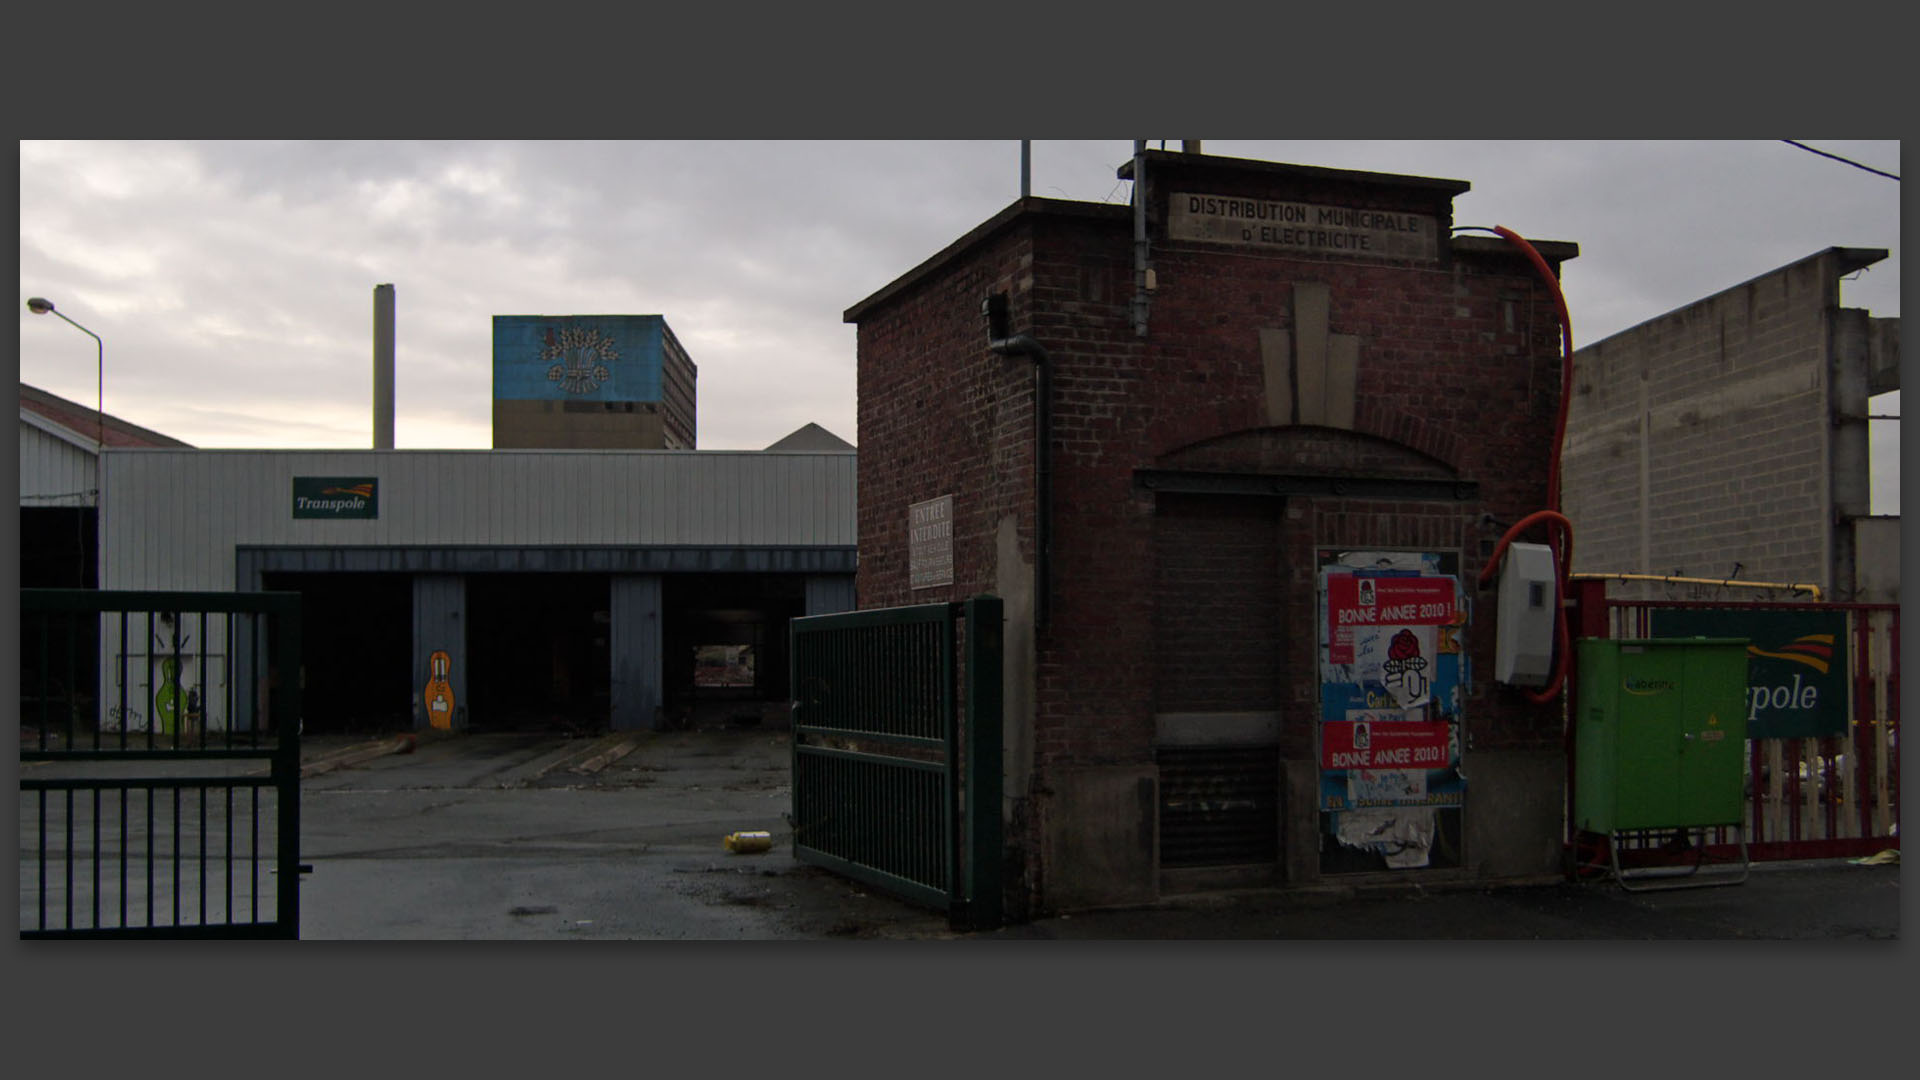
(1392, 679)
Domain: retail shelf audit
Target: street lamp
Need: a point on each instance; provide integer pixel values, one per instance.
(41, 307)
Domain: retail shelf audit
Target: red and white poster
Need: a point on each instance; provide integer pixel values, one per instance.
(1357, 602)
(1383, 741)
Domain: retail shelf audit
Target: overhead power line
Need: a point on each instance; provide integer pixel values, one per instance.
(1838, 158)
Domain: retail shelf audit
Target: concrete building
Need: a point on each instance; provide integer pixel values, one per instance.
(1728, 439)
(1186, 441)
(591, 382)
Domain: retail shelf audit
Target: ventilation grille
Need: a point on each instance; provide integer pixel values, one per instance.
(1219, 806)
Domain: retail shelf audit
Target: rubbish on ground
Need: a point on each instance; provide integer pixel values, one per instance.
(749, 843)
(1889, 857)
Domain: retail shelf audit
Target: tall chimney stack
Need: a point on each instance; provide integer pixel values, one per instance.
(383, 367)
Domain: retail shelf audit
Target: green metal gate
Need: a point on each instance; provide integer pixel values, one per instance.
(159, 764)
(897, 752)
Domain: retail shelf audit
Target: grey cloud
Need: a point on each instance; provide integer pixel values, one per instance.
(751, 250)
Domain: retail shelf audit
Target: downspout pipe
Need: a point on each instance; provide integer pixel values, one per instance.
(1025, 345)
(1140, 237)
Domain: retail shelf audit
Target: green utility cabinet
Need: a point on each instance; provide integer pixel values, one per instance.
(1661, 733)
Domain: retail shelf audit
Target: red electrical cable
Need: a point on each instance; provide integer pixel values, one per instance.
(1560, 538)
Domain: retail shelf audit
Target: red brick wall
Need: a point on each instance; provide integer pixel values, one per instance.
(939, 414)
(1459, 376)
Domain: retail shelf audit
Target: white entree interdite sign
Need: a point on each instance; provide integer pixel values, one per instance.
(930, 543)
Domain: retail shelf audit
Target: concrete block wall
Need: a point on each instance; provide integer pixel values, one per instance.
(1705, 438)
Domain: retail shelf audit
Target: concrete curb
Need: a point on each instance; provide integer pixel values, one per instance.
(622, 745)
(355, 755)
(580, 760)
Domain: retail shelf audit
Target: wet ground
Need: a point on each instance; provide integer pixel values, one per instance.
(536, 837)
(622, 837)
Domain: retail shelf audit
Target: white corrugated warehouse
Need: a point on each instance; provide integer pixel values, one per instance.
(56, 466)
(616, 589)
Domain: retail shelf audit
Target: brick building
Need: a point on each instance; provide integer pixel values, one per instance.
(1727, 439)
(1269, 382)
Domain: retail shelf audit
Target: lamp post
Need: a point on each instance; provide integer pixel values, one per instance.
(41, 307)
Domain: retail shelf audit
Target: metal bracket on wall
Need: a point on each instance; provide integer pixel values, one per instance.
(1282, 485)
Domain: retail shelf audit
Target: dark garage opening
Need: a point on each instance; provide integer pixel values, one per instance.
(58, 547)
(725, 659)
(59, 654)
(537, 652)
(356, 642)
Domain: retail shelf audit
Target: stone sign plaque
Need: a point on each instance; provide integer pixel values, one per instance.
(930, 543)
(1308, 227)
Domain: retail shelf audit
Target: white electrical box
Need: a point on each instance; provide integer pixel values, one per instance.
(1524, 634)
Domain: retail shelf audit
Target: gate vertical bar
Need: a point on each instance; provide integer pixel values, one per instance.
(1893, 714)
(149, 922)
(1863, 717)
(125, 792)
(43, 858)
(950, 728)
(984, 762)
(286, 761)
(1596, 621)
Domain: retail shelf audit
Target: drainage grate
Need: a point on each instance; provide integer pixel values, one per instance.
(1219, 806)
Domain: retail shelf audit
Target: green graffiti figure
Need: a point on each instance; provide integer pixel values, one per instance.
(166, 700)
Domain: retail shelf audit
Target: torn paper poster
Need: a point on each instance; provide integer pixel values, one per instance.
(1403, 836)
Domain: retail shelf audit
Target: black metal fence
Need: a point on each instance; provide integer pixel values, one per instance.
(897, 752)
(159, 764)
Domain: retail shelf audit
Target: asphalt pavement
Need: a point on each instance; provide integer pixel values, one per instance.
(532, 837)
(621, 837)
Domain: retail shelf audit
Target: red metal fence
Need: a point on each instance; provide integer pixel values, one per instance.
(1807, 798)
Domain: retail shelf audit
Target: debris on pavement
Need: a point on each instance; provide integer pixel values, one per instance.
(749, 843)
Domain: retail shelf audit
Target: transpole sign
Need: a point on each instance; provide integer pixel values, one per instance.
(1797, 664)
(336, 497)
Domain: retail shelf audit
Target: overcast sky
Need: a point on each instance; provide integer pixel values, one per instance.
(232, 282)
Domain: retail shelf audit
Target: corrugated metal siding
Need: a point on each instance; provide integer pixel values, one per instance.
(439, 623)
(828, 594)
(636, 643)
(53, 471)
(172, 518)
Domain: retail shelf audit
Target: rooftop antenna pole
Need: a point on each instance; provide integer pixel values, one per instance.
(1026, 167)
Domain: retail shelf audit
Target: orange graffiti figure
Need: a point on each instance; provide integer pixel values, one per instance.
(439, 692)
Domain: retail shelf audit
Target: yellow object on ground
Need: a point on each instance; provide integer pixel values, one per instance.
(749, 843)
(1889, 857)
